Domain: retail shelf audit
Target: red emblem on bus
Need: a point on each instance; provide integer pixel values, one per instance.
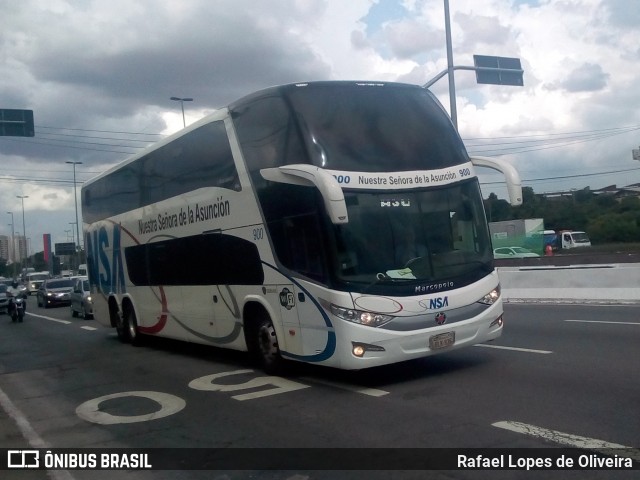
(440, 318)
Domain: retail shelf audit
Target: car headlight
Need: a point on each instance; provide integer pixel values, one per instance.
(89, 299)
(491, 297)
(371, 319)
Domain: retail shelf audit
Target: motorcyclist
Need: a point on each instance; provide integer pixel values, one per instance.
(13, 292)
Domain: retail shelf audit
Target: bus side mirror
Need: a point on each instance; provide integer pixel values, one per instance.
(309, 175)
(512, 177)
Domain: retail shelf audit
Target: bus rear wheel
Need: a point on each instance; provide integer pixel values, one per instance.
(131, 325)
(121, 327)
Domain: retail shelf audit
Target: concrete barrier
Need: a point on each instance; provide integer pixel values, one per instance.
(602, 283)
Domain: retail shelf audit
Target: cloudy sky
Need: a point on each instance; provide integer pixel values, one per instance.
(99, 75)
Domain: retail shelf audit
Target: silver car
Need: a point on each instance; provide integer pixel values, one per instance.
(80, 297)
(54, 291)
(4, 299)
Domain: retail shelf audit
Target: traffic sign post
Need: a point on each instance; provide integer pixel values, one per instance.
(68, 248)
(498, 70)
(16, 123)
(489, 70)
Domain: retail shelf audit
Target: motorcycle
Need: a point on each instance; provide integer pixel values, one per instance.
(17, 307)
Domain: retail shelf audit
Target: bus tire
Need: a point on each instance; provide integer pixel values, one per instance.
(267, 348)
(131, 325)
(118, 321)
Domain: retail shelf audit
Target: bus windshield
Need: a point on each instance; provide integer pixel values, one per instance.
(431, 236)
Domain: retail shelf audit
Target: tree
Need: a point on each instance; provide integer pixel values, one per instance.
(603, 217)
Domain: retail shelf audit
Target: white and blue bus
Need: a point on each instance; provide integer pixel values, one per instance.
(336, 223)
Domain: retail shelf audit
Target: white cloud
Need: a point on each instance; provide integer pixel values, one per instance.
(97, 67)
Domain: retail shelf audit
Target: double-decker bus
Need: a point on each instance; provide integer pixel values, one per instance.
(337, 223)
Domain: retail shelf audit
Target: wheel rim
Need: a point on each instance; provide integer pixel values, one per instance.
(268, 343)
(131, 325)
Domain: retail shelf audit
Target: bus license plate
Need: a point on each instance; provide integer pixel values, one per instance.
(443, 340)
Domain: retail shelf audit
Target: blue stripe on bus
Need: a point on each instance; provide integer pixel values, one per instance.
(330, 347)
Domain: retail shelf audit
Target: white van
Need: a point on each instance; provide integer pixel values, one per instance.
(34, 280)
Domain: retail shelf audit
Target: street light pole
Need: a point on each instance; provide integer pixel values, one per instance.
(75, 197)
(24, 229)
(13, 244)
(450, 68)
(182, 100)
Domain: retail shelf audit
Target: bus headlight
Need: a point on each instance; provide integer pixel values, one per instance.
(370, 319)
(491, 297)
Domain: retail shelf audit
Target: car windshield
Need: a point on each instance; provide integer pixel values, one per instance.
(85, 285)
(60, 284)
(41, 276)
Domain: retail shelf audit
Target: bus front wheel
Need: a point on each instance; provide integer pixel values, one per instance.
(267, 347)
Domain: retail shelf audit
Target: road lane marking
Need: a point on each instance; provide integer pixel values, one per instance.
(372, 392)
(30, 434)
(604, 321)
(515, 349)
(91, 411)
(279, 384)
(66, 322)
(568, 439)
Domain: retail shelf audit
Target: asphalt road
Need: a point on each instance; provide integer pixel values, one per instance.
(560, 375)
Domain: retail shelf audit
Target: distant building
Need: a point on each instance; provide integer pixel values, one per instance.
(4, 247)
(13, 252)
(618, 193)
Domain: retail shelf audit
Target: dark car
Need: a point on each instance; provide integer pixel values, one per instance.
(81, 302)
(55, 291)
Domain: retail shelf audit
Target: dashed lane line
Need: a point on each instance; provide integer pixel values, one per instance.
(637, 324)
(65, 322)
(372, 392)
(515, 349)
(570, 440)
(29, 433)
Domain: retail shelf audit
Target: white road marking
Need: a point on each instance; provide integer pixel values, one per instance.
(604, 321)
(30, 434)
(89, 328)
(568, 439)
(281, 385)
(515, 349)
(372, 392)
(66, 322)
(169, 404)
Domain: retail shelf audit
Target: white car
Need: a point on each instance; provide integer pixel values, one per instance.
(513, 252)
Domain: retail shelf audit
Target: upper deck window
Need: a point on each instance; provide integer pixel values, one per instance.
(347, 126)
